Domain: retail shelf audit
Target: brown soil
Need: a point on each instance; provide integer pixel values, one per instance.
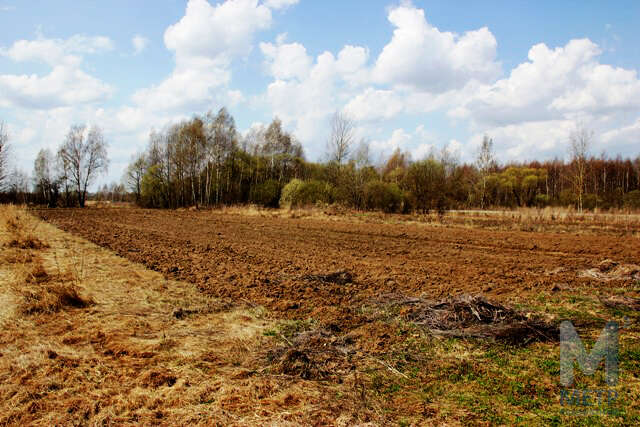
(324, 269)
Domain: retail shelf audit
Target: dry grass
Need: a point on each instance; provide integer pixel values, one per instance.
(151, 351)
(90, 338)
(553, 219)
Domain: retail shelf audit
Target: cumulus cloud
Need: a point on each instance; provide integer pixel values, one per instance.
(57, 51)
(216, 32)
(66, 84)
(421, 56)
(286, 60)
(553, 84)
(624, 136)
(139, 43)
(419, 143)
(307, 97)
(205, 41)
(420, 70)
(375, 104)
(62, 86)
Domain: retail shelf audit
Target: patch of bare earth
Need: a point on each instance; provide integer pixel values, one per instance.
(89, 338)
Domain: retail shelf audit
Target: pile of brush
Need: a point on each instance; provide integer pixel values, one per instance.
(313, 355)
(477, 317)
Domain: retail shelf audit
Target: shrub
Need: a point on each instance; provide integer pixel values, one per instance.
(541, 200)
(267, 194)
(300, 193)
(151, 188)
(383, 196)
(632, 199)
(290, 192)
(591, 201)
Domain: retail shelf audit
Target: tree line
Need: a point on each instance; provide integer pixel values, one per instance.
(60, 179)
(205, 161)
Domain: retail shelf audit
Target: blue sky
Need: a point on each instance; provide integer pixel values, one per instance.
(418, 75)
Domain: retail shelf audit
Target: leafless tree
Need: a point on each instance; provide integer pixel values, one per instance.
(18, 185)
(134, 174)
(47, 184)
(342, 137)
(362, 154)
(84, 157)
(485, 161)
(580, 141)
(4, 154)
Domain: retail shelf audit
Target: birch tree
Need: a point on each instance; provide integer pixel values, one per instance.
(84, 155)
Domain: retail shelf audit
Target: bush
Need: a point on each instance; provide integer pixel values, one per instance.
(408, 202)
(383, 196)
(567, 198)
(151, 188)
(591, 201)
(632, 199)
(300, 193)
(290, 192)
(267, 194)
(541, 200)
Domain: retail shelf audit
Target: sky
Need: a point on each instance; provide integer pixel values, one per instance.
(414, 75)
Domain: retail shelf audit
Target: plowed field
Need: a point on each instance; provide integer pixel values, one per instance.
(356, 320)
(287, 264)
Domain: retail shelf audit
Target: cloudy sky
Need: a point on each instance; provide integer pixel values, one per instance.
(413, 75)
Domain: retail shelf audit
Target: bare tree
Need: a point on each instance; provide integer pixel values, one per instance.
(134, 174)
(4, 157)
(485, 161)
(84, 158)
(18, 185)
(47, 184)
(580, 141)
(342, 137)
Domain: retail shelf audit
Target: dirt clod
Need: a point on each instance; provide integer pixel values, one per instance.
(339, 277)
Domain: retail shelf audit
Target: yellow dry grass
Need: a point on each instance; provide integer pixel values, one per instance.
(549, 219)
(143, 350)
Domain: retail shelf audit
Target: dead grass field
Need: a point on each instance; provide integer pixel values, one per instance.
(289, 318)
(550, 219)
(91, 338)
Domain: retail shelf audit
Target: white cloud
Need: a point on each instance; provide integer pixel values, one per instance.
(528, 140)
(57, 51)
(305, 99)
(375, 104)
(280, 4)
(66, 83)
(554, 84)
(625, 136)
(419, 55)
(205, 41)
(286, 60)
(420, 70)
(216, 32)
(139, 43)
(186, 88)
(419, 143)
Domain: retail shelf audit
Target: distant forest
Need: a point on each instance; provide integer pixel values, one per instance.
(206, 162)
